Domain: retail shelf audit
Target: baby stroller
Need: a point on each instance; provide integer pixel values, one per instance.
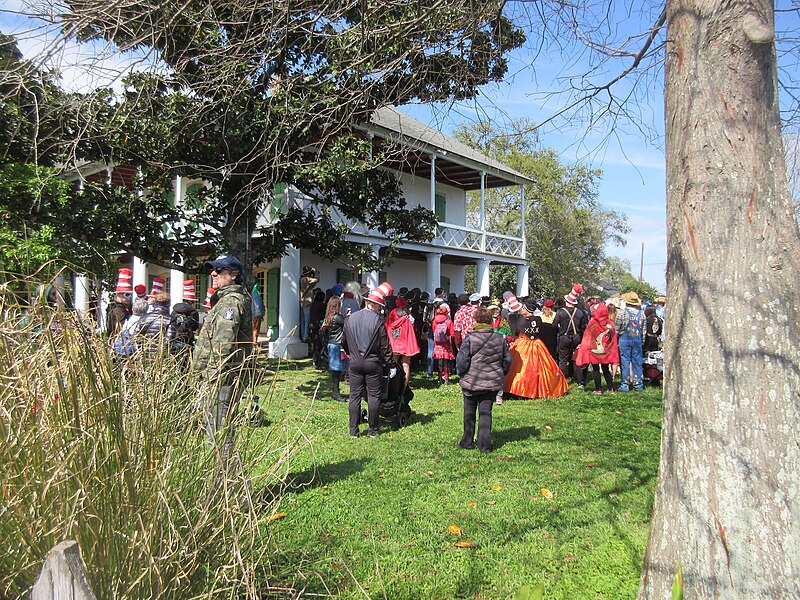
(653, 366)
(395, 399)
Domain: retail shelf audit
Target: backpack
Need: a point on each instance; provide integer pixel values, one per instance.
(633, 326)
(440, 333)
(124, 344)
(657, 326)
(184, 333)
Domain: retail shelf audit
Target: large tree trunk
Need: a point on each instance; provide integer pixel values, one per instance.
(728, 499)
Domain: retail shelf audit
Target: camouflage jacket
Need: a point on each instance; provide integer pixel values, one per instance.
(225, 340)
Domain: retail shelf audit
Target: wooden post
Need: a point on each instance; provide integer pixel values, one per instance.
(63, 575)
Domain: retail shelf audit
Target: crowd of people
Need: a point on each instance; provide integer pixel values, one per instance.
(499, 349)
(518, 347)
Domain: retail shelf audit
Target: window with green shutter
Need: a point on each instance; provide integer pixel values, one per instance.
(444, 283)
(440, 208)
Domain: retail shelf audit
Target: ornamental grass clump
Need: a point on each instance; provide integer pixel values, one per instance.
(111, 452)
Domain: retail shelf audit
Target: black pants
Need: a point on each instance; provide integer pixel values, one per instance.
(366, 379)
(483, 403)
(566, 346)
(606, 374)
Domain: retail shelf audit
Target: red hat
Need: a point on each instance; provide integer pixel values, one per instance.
(188, 291)
(378, 295)
(158, 286)
(124, 281)
(401, 302)
(572, 297)
(209, 293)
(443, 309)
(512, 302)
(140, 290)
(549, 304)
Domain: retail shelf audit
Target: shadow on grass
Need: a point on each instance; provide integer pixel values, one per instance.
(315, 477)
(501, 437)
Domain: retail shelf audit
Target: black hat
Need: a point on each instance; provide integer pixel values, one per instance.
(530, 305)
(225, 261)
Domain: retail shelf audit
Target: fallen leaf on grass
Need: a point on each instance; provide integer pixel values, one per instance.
(491, 502)
(381, 475)
(472, 504)
(465, 544)
(277, 516)
(548, 428)
(618, 413)
(497, 488)
(591, 464)
(429, 473)
(547, 493)
(454, 529)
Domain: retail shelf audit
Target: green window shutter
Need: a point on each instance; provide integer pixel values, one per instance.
(271, 293)
(192, 200)
(440, 208)
(444, 283)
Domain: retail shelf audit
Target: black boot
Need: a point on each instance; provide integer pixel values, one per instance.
(336, 379)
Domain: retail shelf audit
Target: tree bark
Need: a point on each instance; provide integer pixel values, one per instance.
(728, 498)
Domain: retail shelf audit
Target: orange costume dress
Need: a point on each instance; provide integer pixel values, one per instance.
(533, 372)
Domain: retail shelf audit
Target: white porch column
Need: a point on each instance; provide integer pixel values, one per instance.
(58, 284)
(81, 287)
(523, 229)
(483, 276)
(373, 277)
(482, 218)
(433, 264)
(288, 344)
(139, 272)
(176, 279)
(522, 281)
(433, 182)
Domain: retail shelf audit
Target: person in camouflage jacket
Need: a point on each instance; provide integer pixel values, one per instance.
(223, 344)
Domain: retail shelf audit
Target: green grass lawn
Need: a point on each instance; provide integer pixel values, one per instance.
(368, 518)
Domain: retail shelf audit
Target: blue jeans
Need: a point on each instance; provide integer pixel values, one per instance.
(630, 354)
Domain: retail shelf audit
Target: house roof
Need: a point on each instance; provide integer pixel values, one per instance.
(411, 144)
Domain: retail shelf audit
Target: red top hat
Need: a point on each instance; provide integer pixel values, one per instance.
(188, 291)
(378, 295)
(158, 286)
(512, 302)
(572, 297)
(124, 281)
(141, 290)
(209, 293)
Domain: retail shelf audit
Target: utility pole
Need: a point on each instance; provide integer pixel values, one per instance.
(641, 264)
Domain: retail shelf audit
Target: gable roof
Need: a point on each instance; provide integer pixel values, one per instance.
(411, 144)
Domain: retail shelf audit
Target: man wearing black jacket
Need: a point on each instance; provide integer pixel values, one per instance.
(571, 322)
(367, 345)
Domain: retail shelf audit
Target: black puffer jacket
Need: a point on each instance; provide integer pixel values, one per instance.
(335, 331)
(483, 360)
(152, 327)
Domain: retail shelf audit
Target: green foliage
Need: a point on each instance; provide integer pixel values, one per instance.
(644, 289)
(369, 517)
(527, 592)
(113, 455)
(567, 228)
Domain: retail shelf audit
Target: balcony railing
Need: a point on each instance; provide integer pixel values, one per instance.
(453, 237)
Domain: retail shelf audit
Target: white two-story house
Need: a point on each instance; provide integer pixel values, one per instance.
(434, 170)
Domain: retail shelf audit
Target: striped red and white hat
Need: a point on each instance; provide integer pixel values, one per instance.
(209, 293)
(511, 302)
(572, 297)
(124, 282)
(188, 291)
(158, 286)
(378, 295)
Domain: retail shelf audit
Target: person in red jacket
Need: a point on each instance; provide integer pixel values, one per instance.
(402, 337)
(598, 347)
(443, 333)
